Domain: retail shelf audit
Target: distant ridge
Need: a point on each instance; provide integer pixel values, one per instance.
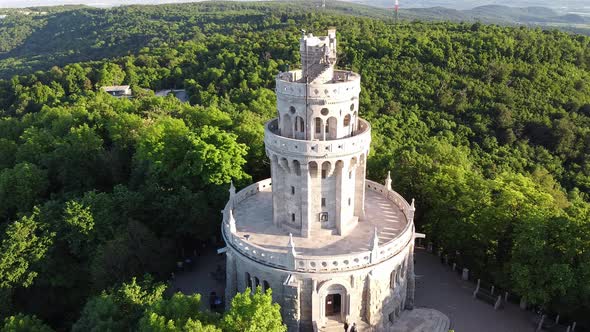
(499, 14)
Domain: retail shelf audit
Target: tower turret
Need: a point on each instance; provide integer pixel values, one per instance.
(318, 144)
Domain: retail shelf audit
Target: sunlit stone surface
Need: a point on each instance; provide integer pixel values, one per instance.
(331, 245)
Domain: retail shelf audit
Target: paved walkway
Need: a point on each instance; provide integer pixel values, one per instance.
(437, 287)
(199, 279)
(440, 288)
(421, 320)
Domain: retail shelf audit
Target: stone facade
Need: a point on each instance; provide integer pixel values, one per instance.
(329, 243)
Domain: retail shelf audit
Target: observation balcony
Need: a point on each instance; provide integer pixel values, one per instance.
(357, 143)
(256, 237)
(340, 87)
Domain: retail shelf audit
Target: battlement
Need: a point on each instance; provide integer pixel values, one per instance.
(318, 56)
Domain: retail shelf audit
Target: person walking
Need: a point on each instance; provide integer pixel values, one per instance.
(353, 328)
(345, 326)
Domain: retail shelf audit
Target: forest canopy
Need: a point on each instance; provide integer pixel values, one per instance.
(488, 127)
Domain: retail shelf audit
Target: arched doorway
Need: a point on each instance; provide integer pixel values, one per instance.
(333, 305)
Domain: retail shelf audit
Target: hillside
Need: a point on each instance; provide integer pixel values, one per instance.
(37, 38)
(530, 16)
(470, 4)
(486, 126)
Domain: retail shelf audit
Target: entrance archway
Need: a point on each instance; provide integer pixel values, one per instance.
(333, 305)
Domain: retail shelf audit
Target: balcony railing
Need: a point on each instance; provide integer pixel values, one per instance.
(333, 263)
(338, 147)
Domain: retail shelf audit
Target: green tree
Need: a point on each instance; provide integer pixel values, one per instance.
(24, 243)
(110, 74)
(179, 313)
(20, 188)
(253, 312)
(133, 251)
(176, 155)
(119, 309)
(24, 323)
(79, 222)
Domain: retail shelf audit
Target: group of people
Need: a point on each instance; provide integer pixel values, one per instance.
(350, 328)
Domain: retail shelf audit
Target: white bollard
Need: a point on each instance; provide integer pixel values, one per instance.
(522, 303)
(498, 302)
(540, 323)
(476, 289)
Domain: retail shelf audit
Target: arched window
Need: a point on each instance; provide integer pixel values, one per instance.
(332, 123)
(299, 126)
(392, 279)
(313, 169)
(248, 280)
(318, 126)
(256, 282)
(297, 167)
(347, 120)
(326, 167)
(265, 285)
(285, 164)
(287, 126)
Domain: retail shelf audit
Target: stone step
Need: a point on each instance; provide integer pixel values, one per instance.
(332, 326)
(442, 325)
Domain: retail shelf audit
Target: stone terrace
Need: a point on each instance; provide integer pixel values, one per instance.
(254, 218)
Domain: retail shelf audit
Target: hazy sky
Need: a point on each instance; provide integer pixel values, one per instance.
(31, 3)
(406, 3)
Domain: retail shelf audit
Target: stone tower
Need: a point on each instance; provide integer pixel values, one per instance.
(318, 123)
(331, 245)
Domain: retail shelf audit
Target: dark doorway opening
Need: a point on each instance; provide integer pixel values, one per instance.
(333, 304)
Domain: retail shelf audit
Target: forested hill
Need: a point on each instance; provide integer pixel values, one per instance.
(38, 38)
(487, 127)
